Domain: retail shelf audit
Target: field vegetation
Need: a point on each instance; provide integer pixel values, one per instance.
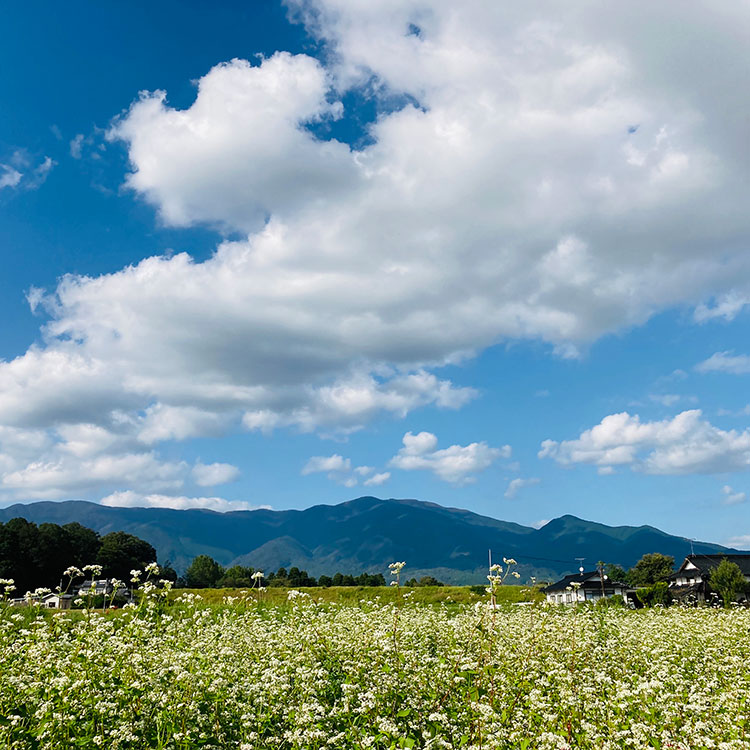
(356, 595)
(406, 670)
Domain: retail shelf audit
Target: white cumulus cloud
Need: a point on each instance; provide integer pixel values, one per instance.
(130, 499)
(318, 464)
(208, 475)
(739, 542)
(731, 497)
(519, 483)
(540, 172)
(341, 471)
(456, 464)
(377, 479)
(62, 476)
(685, 444)
(735, 364)
(10, 177)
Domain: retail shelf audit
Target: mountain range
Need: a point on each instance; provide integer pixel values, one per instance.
(366, 534)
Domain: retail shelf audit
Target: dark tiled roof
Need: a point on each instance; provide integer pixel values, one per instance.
(585, 580)
(705, 563)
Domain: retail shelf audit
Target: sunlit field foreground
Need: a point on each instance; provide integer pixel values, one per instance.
(249, 674)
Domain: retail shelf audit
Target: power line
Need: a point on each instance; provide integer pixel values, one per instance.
(545, 559)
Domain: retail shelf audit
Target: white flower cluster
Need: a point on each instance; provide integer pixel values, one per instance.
(194, 674)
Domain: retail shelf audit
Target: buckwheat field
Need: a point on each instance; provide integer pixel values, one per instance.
(248, 674)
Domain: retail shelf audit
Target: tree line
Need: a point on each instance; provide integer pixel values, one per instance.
(204, 572)
(35, 556)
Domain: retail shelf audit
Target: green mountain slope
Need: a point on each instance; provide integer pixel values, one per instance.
(368, 533)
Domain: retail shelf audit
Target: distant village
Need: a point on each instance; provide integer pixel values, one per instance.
(699, 579)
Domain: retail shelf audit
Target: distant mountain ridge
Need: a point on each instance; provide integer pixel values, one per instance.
(366, 534)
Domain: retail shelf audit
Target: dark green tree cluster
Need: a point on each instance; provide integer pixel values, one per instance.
(424, 581)
(363, 579)
(35, 556)
(293, 578)
(650, 569)
(648, 576)
(204, 572)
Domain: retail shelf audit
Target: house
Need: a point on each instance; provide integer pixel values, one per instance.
(100, 587)
(585, 587)
(50, 600)
(55, 600)
(691, 579)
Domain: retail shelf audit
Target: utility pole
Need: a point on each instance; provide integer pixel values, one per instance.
(600, 567)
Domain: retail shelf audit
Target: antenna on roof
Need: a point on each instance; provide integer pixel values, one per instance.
(691, 548)
(580, 560)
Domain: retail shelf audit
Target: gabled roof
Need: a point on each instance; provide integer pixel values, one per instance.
(584, 580)
(706, 563)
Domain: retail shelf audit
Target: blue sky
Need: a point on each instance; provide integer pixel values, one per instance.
(284, 254)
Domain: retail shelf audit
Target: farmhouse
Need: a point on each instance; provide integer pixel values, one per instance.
(100, 587)
(55, 600)
(585, 587)
(50, 600)
(691, 579)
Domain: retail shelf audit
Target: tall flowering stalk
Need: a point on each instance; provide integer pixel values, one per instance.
(257, 584)
(497, 577)
(396, 568)
(95, 571)
(7, 585)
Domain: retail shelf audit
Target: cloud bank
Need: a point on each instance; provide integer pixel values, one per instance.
(542, 172)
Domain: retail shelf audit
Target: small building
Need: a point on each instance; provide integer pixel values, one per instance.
(55, 600)
(50, 600)
(586, 587)
(690, 582)
(100, 587)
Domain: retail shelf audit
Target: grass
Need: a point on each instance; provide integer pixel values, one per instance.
(353, 595)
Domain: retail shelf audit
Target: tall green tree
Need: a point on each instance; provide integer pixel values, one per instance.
(616, 573)
(120, 553)
(727, 581)
(54, 551)
(650, 569)
(19, 554)
(84, 545)
(204, 573)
